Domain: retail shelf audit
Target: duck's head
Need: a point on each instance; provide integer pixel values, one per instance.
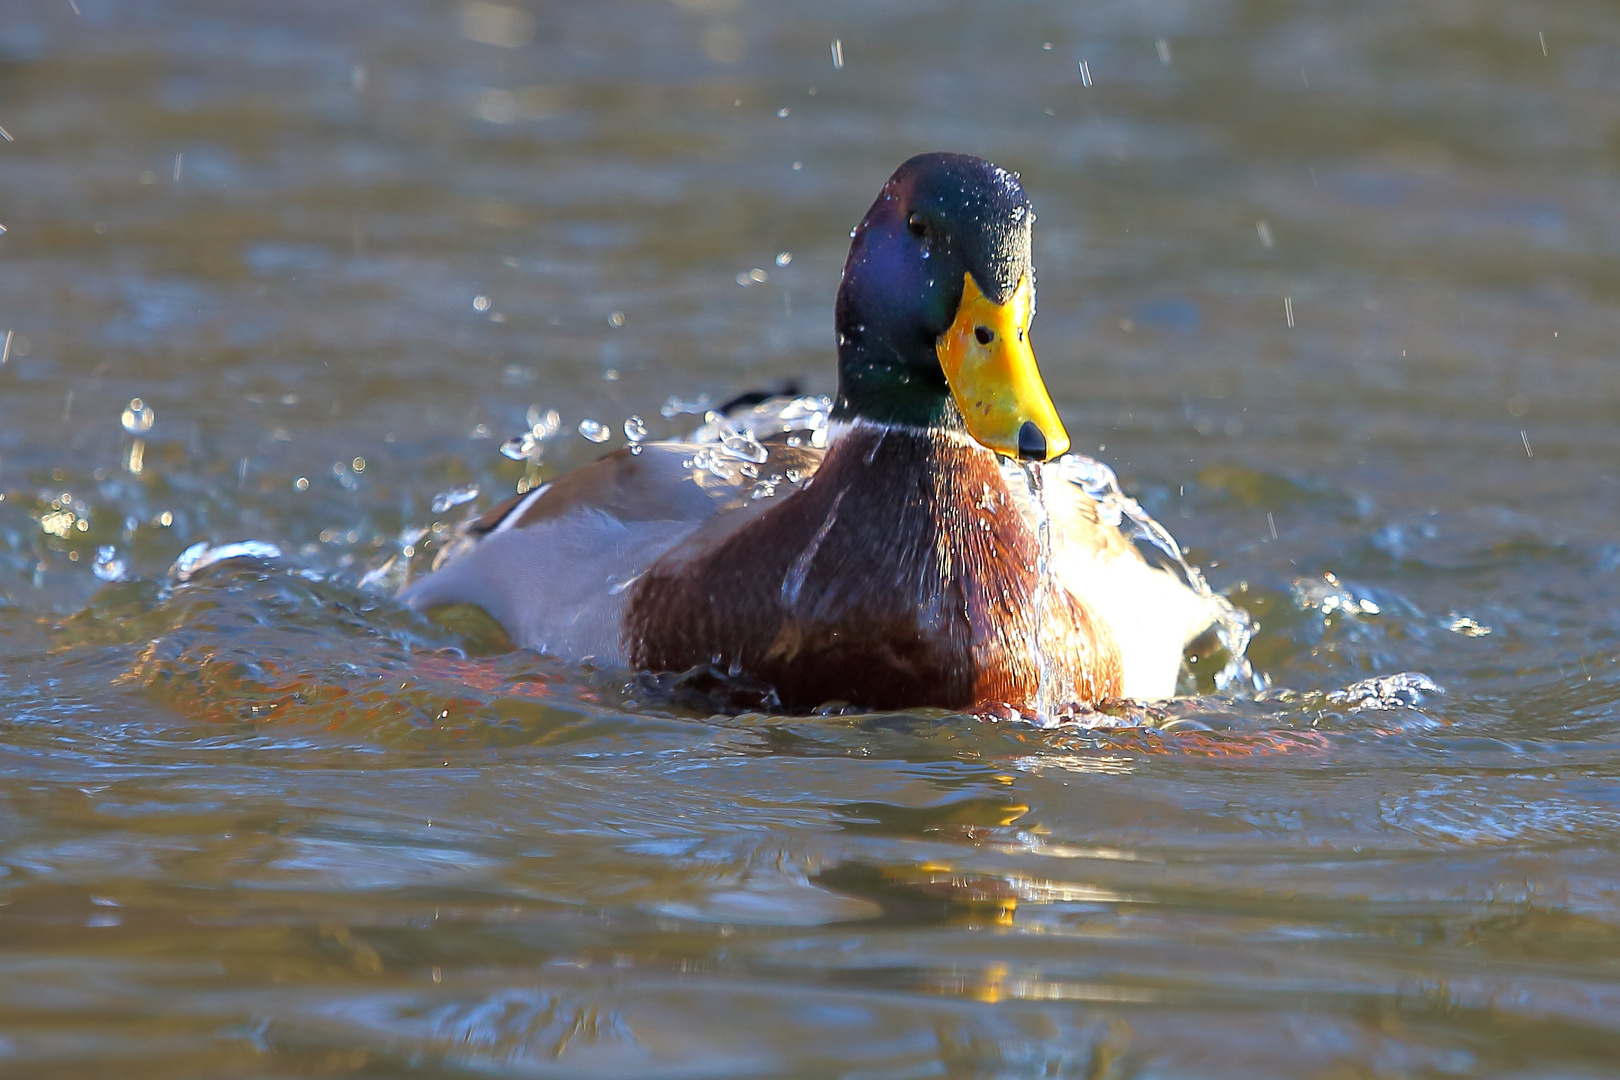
(933, 313)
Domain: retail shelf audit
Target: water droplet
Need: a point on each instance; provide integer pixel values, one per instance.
(743, 446)
(616, 319)
(138, 417)
(480, 303)
(635, 429)
(519, 447)
(675, 406)
(783, 258)
(593, 430)
(108, 566)
(461, 493)
(798, 165)
(838, 54)
(543, 424)
(301, 484)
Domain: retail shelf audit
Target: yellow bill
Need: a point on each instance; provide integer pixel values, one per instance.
(991, 371)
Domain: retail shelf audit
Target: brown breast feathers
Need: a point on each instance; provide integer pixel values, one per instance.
(902, 575)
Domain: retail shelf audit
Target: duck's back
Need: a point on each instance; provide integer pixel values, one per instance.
(554, 565)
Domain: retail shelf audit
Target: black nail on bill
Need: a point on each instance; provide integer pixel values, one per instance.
(1031, 443)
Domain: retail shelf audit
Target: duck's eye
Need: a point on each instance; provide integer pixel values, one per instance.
(917, 225)
(984, 334)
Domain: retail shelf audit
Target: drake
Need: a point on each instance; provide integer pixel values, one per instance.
(896, 567)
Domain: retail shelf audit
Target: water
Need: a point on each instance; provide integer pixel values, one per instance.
(444, 501)
(1051, 691)
(259, 821)
(1233, 626)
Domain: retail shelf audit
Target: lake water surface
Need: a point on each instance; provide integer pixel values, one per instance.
(1335, 287)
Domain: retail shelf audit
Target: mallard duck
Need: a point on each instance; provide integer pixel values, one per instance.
(896, 566)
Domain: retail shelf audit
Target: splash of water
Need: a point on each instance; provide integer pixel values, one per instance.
(109, 565)
(461, 493)
(201, 555)
(1234, 628)
(1052, 691)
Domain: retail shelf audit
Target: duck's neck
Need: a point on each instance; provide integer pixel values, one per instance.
(903, 574)
(877, 390)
